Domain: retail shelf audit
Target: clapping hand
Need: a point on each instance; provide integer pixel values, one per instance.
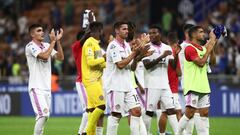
(59, 34)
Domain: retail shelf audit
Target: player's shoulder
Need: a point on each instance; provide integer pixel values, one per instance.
(166, 47)
(190, 48)
(112, 45)
(29, 44)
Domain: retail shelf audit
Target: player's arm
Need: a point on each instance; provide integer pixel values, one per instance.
(45, 55)
(85, 36)
(90, 55)
(148, 64)
(174, 62)
(59, 55)
(117, 58)
(209, 46)
(124, 62)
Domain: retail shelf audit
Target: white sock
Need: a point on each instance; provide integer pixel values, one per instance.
(197, 122)
(135, 125)
(82, 127)
(189, 128)
(202, 126)
(173, 122)
(112, 125)
(147, 120)
(39, 126)
(182, 124)
(158, 113)
(143, 130)
(99, 131)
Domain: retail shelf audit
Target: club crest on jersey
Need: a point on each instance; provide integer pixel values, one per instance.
(45, 110)
(90, 52)
(101, 97)
(117, 107)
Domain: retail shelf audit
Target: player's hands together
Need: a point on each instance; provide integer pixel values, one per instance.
(166, 53)
(212, 35)
(144, 38)
(59, 34)
(52, 35)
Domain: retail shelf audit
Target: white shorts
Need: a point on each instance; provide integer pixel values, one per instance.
(176, 101)
(197, 100)
(82, 95)
(163, 95)
(41, 102)
(121, 102)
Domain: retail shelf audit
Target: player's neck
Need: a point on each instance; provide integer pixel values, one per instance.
(158, 43)
(196, 42)
(96, 36)
(120, 40)
(36, 41)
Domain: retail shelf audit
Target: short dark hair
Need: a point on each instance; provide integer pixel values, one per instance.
(193, 30)
(156, 26)
(34, 26)
(118, 24)
(95, 26)
(186, 27)
(172, 37)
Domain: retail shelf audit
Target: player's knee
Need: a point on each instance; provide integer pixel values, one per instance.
(171, 111)
(117, 115)
(102, 107)
(203, 112)
(189, 112)
(136, 112)
(149, 113)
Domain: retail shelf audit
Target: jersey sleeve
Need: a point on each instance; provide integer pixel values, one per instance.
(34, 50)
(115, 53)
(90, 55)
(190, 53)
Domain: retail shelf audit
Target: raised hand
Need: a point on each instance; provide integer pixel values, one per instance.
(59, 34)
(52, 35)
(145, 38)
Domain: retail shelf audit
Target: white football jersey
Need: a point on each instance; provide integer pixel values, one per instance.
(39, 70)
(157, 77)
(118, 79)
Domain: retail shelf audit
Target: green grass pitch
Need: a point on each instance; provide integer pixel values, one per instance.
(11, 125)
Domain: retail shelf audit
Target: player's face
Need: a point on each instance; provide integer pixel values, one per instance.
(200, 35)
(38, 34)
(123, 31)
(154, 35)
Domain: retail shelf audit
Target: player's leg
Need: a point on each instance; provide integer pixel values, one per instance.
(137, 125)
(191, 105)
(40, 101)
(95, 94)
(83, 101)
(202, 126)
(167, 103)
(152, 98)
(116, 103)
(162, 123)
(99, 128)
